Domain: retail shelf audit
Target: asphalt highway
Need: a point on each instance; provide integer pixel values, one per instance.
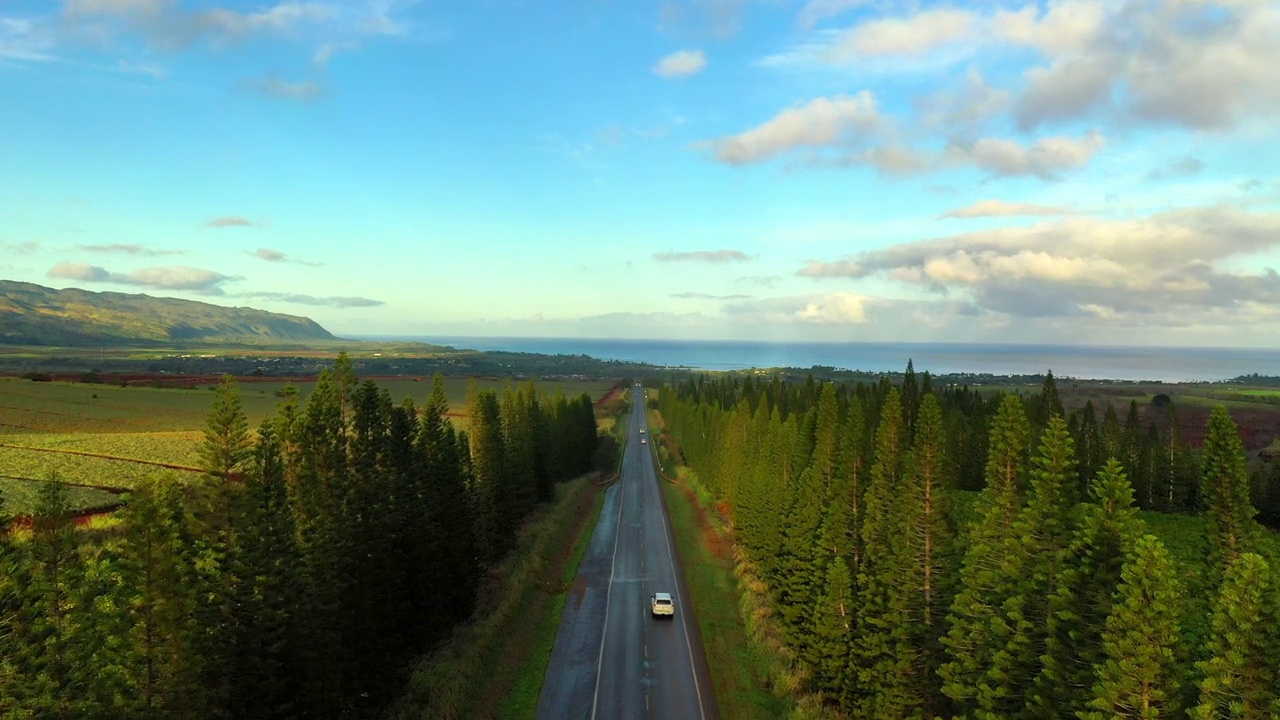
(612, 659)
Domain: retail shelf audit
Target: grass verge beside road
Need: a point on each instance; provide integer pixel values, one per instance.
(495, 661)
(737, 670)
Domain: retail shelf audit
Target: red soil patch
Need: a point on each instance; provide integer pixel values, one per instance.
(718, 545)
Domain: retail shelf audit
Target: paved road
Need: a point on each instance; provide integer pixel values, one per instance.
(613, 660)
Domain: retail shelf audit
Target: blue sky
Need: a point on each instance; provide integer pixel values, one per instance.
(1087, 171)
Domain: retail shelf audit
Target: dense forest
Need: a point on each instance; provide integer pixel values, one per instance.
(937, 552)
(318, 557)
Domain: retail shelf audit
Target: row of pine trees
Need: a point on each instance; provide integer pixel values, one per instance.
(1041, 596)
(300, 578)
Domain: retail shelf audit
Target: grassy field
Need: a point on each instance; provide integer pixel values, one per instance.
(110, 436)
(737, 672)
(20, 497)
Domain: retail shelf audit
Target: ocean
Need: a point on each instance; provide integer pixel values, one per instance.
(1167, 364)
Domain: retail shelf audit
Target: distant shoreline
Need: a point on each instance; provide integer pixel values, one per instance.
(1121, 363)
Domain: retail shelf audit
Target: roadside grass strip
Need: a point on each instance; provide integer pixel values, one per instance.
(487, 657)
(522, 701)
(739, 670)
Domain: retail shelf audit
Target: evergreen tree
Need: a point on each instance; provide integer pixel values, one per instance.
(1240, 677)
(1225, 488)
(10, 607)
(167, 670)
(451, 576)
(797, 589)
(977, 624)
(266, 674)
(1138, 676)
(833, 625)
(1079, 607)
(496, 513)
(926, 585)
(227, 446)
(225, 453)
(882, 652)
(1042, 534)
(45, 642)
(1050, 403)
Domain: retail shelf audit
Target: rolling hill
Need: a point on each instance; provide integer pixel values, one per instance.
(36, 315)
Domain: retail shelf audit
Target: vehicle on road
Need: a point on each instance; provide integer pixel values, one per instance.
(661, 604)
(641, 431)
(643, 441)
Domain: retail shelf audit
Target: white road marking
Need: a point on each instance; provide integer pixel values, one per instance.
(676, 590)
(604, 634)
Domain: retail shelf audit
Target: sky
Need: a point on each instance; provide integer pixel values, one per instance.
(1102, 172)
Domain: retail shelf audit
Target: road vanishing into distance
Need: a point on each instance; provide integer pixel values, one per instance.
(612, 659)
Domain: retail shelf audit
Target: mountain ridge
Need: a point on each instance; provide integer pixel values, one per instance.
(32, 314)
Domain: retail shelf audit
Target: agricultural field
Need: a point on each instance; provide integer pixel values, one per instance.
(100, 436)
(20, 497)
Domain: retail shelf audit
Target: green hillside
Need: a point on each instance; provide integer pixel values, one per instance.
(36, 315)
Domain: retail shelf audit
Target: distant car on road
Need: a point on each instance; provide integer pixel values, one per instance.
(644, 441)
(641, 431)
(661, 604)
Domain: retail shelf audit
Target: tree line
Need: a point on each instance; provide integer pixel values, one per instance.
(317, 558)
(906, 594)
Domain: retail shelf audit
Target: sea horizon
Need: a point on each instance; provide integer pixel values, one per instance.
(1082, 362)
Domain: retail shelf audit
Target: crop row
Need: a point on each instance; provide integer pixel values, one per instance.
(79, 469)
(170, 448)
(21, 496)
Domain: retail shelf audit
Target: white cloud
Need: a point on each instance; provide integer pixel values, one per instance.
(822, 122)
(681, 64)
(1169, 269)
(1044, 158)
(197, 280)
(912, 36)
(1002, 208)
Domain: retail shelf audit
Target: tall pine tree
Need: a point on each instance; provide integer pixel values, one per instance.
(1138, 676)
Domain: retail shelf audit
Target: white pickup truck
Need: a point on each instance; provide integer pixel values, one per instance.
(661, 604)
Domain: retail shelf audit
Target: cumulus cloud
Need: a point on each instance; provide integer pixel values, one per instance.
(821, 122)
(1200, 64)
(838, 269)
(1046, 158)
(197, 280)
(129, 249)
(681, 64)
(1002, 208)
(840, 308)
(707, 256)
(341, 302)
(1171, 268)
(277, 256)
(707, 296)
(915, 35)
(275, 87)
(229, 221)
(1203, 65)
